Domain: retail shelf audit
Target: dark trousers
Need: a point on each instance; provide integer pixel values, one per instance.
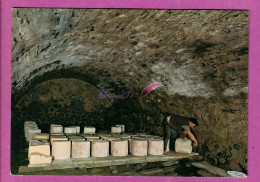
(169, 133)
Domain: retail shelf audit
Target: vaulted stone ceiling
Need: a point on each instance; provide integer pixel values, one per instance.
(200, 57)
(136, 47)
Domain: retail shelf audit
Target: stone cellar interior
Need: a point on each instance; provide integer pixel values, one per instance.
(77, 79)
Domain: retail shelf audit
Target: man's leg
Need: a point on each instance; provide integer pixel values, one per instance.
(174, 135)
(167, 133)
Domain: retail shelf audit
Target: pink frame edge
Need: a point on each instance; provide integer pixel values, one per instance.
(254, 81)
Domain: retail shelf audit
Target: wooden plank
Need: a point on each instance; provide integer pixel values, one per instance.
(26, 169)
(168, 169)
(137, 159)
(170, 163)
(67, 162)
(153, 158)
(210, 168)
(121, 160)
(39, 165)
(152, 171)
(86, 161)
(93, 162)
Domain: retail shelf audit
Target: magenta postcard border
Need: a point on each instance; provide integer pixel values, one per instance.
(254, 81)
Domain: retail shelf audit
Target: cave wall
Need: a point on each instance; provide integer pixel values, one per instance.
(70, 101)
(200, 57)
(62, 101)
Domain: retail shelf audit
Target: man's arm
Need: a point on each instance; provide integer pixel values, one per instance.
(192, 137)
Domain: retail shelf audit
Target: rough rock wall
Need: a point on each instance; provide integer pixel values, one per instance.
(201, 57)
(62, 101)
(69, 101)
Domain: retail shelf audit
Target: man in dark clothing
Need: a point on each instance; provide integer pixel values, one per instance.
(176, 126)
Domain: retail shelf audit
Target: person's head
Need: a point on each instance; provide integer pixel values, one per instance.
(193, 122)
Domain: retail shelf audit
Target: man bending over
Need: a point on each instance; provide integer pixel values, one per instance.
(176, 126)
